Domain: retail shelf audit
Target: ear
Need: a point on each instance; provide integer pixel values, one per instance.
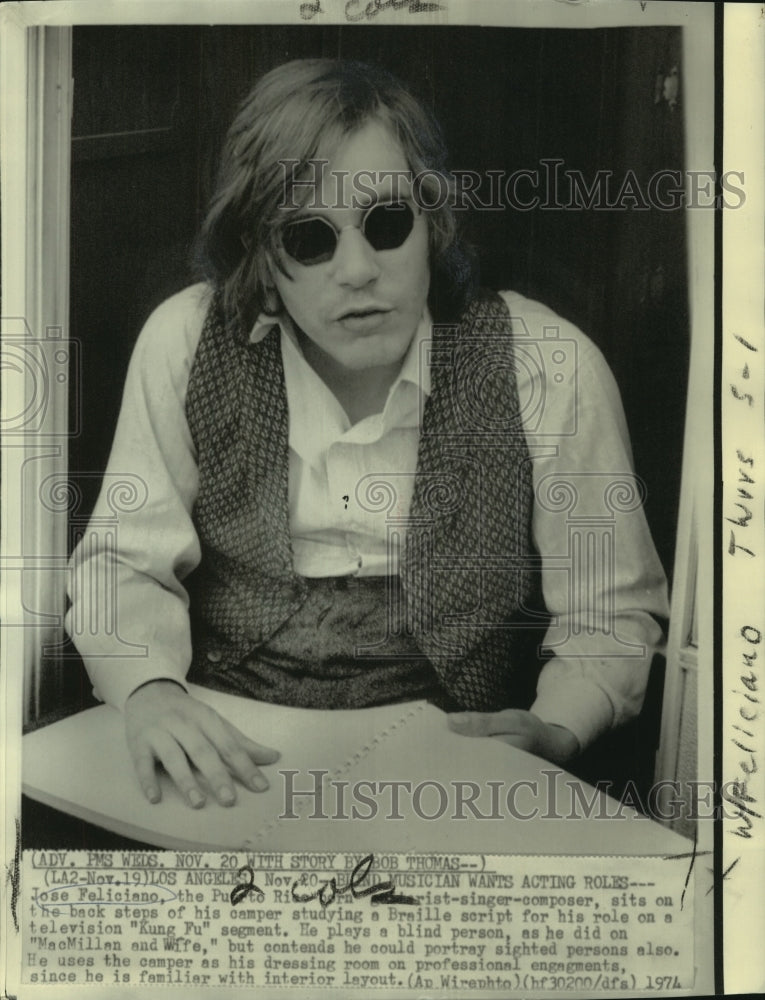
(272, 301)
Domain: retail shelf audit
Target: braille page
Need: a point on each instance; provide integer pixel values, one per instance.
(336, 779)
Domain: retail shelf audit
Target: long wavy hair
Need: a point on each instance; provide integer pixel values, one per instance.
(298, 113)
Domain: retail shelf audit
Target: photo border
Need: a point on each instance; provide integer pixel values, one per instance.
(733, 869)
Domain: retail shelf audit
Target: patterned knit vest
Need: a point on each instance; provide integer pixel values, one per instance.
(470, 579)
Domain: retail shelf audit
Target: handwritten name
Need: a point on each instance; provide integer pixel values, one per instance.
(329, 889)
(738, 792)
(360, 10)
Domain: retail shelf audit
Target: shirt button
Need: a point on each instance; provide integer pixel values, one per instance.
(214, 655)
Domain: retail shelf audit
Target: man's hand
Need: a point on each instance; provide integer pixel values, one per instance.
(520, 729)
(165, 724)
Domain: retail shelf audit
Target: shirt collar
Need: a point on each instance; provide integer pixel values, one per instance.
(316, 418)
(416, 366)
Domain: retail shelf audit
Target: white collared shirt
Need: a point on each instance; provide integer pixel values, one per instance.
(336, 527)
(575, 430)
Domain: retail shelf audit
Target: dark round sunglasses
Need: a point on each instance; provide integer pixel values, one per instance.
(385, 226)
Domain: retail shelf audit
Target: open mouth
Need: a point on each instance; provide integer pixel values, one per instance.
(363, 313)
(359, 314)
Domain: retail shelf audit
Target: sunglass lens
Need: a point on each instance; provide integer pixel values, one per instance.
(388, 225)
(313, 241)
(309, 241)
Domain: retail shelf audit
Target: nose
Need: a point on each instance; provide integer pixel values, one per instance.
(355, 262)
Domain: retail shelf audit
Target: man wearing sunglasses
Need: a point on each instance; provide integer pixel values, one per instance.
(347, 501)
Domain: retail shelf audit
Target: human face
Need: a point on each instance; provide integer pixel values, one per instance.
(360, 309)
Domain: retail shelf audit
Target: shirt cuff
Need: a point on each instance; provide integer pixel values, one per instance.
(113, 683)
(578, 704)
